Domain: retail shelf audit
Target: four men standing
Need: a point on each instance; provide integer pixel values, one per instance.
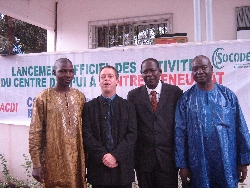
(207, 130)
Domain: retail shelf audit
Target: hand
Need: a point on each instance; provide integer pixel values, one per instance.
(242, 171)
(185, 176)
(37, 173)
(109, 161)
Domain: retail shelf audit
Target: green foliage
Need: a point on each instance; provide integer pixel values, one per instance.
(12, 182)
(31, 38)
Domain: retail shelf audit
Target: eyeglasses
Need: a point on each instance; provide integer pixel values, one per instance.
(110, 76)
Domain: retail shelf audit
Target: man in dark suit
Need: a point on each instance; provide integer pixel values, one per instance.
(154, 154)
(109, 132)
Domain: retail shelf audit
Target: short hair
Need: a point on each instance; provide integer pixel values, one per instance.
(200, 57)
(110, 67)
(61, 60)
(151, 59)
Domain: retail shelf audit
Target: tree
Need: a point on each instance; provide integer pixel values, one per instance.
(21, 36)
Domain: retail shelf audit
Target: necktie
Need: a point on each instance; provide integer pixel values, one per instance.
(110, 141)
(153, 100)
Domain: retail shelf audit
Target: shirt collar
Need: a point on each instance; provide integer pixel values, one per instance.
(157, 89)
(112, 98)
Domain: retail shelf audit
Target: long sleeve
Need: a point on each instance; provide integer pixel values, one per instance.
(91, 144)
(181, 140)
(36, 132)
(242, 137)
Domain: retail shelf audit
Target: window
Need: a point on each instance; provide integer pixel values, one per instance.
(243, 18)
(129, 31)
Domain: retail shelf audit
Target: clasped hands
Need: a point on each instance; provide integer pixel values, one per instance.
(109, 160)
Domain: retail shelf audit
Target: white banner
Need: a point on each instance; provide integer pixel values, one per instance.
(24, 76)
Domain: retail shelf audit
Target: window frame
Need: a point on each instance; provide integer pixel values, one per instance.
(96, 39)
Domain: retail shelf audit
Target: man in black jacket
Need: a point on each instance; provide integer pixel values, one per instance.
(109, 131)
(155, 105)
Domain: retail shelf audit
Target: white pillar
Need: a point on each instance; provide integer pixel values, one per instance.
(197, 21)
(209, 20)
(50, 41)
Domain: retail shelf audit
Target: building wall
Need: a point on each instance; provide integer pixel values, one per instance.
(74, 15)
(36, 12)
(14, 143)
(75, 26)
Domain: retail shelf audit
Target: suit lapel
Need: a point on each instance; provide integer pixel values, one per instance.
(164, 97)
(145, 99)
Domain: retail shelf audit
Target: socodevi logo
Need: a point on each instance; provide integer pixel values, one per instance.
(219, 58)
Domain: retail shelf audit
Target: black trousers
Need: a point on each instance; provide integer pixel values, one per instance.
(157, 178)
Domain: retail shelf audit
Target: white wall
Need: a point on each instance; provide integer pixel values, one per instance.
(70, 25)
(36, 12)
(225, 25)
(14, 143)
(73, 24)
(74, 15)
